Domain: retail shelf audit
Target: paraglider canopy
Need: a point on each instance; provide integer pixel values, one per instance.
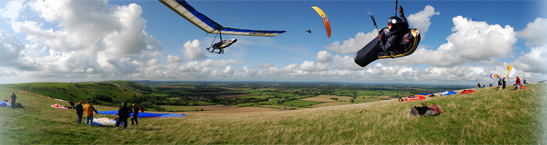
(492, 76)
(511, 71)
(324, 18)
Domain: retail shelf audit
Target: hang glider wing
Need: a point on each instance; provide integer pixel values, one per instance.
(206, 24)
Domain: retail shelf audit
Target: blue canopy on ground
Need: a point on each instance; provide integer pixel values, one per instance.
(446, 93)
(3, 104)
(144, 114)
(426, 94)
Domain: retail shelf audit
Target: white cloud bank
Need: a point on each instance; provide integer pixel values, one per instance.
(87, 40)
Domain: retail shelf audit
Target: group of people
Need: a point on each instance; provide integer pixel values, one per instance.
(123, 113)
(424, 110)
(502, 83)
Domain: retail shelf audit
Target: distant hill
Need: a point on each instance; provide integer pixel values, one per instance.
(106, 93)
(487, 116)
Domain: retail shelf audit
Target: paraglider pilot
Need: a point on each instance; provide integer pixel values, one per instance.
(392, 36)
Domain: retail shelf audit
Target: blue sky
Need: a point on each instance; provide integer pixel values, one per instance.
(463, 42)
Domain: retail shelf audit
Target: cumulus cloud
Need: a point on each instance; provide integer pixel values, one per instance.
(12, 9)
(352, 45)
(472, 41)
(193, 51)
(535, 32)
(83, 39)
(312, 66)
(345, 62)
(11, 49)
(422, 19)
(173, 59)
(323, 57)
(533, 61)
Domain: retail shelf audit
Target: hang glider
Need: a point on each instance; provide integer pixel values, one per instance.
(206, 24)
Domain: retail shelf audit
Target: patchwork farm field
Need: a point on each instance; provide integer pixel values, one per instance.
(487, 116)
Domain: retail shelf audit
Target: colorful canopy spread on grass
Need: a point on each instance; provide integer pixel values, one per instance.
(467, 91)
(58, 106)
(446, 93)
(414, 98)
(105, 121)
(144, 114)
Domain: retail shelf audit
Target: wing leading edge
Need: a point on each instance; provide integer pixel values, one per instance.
(206, 24)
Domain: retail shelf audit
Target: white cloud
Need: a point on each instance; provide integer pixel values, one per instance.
(472, 41)
(352, 45)
(85, 39)
(422, 19)
(173, 59)
(535, 32)
(312, 66)
(533, 61)
(345, 62)
(193, 51)
(12, 9)
(10, 56)
(323, 57)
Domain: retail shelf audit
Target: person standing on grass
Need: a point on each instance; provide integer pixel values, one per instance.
(123, 114)
(504, 83)
(13, 97)
(89, 109)
(135, 114)
(479, 85)
(79, 111)
(499, 84)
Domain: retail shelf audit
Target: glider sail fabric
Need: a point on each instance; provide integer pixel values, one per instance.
(511, 71)
(324, 18)
(206, 24)
(492, 76)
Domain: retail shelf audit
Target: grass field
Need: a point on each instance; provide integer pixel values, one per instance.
(327, 98)
(485, 117)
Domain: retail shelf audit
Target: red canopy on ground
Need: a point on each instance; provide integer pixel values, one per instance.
(467, 91)
(415, 98)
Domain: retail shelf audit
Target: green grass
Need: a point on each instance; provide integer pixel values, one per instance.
(172, 108)
(114, 91)
(484, 117)
(300, 103)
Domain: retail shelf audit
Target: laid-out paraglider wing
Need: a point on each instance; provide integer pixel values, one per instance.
(369, 53)
(206, 24)
(324, 18)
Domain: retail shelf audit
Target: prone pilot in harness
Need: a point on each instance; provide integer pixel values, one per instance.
(395, 37)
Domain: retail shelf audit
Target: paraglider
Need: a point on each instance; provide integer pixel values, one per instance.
(492, 76)
(511, 71)
(395, 40)
(309, 31)
(324, 18)
(206, 24)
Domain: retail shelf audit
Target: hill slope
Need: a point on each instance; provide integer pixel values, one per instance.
(101, 92)
(487, 116)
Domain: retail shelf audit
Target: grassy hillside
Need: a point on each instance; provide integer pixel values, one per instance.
(102, 92)
(487, 116)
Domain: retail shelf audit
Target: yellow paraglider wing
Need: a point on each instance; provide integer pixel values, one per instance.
(324, 18)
